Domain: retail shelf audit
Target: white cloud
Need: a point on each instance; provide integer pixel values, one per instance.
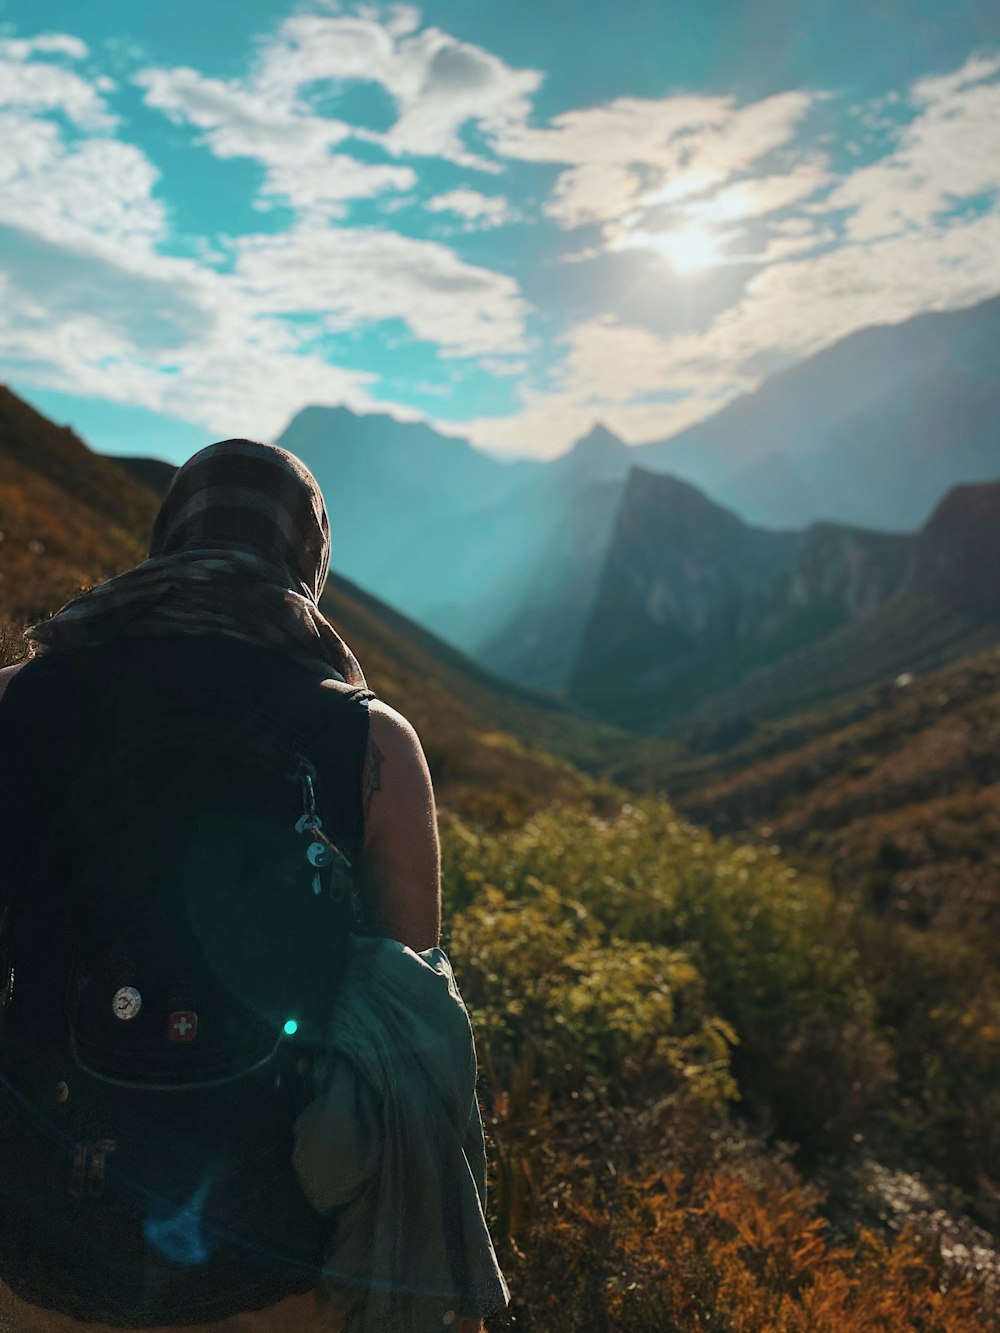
(949, 152)
(47, 43)
(86, 189)
(789, 310)
(297, 149)
(130, 325)
(628, 129)
(634, 155)
(886, 242)
(96, 192)
(92, 306)
(460, 84)
(354, 276)
(488, 210)
(758, 196)
(594, 192)
(612, 372)
(437, 84)
(547, 424)
(33, 85)
(238, 122)
(239, 376)
(103, 311)
(938, 88)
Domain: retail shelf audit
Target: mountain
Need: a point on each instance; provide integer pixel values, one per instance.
(573, 502)
(678, 579)
(396, 492)
(152, 472)
(958, 555)
(698, 613)
(31, 441)
(497, 558)
(600, 456)
(503, 559)
(538, 641)
(871, 431)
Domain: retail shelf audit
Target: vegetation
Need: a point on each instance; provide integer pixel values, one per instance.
(909, 633)
(643, 995)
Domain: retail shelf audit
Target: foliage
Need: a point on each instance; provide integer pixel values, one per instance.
(626, 976)
(940, 998)
(713, 1253)
(770, 948)
(895, 797)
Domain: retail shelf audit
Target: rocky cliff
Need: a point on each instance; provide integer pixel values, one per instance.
(695, 605)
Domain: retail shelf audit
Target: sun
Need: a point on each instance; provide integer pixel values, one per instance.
(689, 249)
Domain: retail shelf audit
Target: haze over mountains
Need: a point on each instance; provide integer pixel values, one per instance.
(505, 559)
(872, 431)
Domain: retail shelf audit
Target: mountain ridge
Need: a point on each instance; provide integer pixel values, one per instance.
(892, 402)
(709, 615)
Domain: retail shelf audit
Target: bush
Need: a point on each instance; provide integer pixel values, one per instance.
(710, 945)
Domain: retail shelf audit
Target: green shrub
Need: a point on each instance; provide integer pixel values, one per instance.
(642, 930)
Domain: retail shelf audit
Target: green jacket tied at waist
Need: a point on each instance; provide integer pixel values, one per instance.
(393, 1147)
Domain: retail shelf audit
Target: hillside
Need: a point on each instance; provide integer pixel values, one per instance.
(672, 603)
(580, 494)
(490, 745)
(700, 615)
(894, 793)
(68, 516)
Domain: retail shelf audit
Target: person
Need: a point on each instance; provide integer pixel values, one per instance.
(238, 559)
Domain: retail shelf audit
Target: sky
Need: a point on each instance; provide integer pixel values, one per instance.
(510, 219)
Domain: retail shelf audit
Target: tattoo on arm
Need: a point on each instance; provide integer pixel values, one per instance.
(371, 777)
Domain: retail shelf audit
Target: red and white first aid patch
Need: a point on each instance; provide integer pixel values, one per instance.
(182, 1025)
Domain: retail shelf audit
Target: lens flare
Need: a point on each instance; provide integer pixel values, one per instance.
(179, 1236)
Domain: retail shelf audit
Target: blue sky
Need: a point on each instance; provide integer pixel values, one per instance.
(509, 219)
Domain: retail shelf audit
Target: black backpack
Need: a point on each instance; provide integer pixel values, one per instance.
(175, 914)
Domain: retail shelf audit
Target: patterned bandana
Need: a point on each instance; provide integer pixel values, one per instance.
(241, 546)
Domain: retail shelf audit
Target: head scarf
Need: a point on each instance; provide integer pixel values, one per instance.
(240, 546)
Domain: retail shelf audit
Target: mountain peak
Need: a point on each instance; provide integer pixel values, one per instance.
(598, 442)
(964, 505)
(597, 456)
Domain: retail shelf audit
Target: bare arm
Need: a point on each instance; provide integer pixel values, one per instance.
(401, 861)
(6, 675)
